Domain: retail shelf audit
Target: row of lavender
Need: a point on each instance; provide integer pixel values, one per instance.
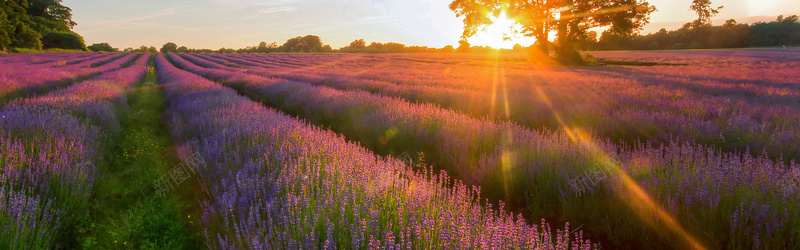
(724, 199)
(656, 104)
(278, 183)
(21, 79)
(49, 147)
(39, 58)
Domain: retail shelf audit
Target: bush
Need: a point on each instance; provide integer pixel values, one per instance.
(98, 47)
(589, 60)
(63, 40)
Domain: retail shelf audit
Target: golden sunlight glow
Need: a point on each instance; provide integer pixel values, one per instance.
(626, 188)
(500, 34)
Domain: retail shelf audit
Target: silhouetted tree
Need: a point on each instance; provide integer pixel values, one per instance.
(325, 48)
(704, 12)
(783, 31)
(169, 47)
(448, 49)
(463, 46)
(571, 18)
(302, 44)
(358, 44)
(307, 43)
(263, 47)
(97, 47)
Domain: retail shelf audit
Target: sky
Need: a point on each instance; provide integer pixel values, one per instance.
(239, 23)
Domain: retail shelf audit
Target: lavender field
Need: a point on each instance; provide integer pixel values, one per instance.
(660, 149)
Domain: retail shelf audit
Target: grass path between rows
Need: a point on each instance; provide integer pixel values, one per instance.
(126, 210)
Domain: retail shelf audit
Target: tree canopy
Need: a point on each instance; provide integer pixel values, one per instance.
(101, 47)
(307, 43)
(35, 24)
(169, 47)
(572, 19)
(704, 12)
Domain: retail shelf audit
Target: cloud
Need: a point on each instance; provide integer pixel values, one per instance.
(276, 10)
(160, 13)
(137, 21)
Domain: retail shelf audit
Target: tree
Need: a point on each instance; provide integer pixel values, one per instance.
(53, 11)
(98, 47)
(325, 48)
(53, 21)
(6, 29)
(535, 17)
(15, 30)
(784, 31)
(358, 44)
(463, 46)
(311, 43)
(448, 49)
(375, 46)
(263, 47)
(183, 49)
(37, 23)
(169, 47)
(391, 47)
(571, 18)
(25, 37)
(704, 12)
(302, 44)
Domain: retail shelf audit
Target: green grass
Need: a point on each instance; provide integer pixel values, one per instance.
(125, 210)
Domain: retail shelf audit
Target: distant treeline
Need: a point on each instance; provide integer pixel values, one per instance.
(693, 35)
(311, 43)
(785, 31)
(307, 44)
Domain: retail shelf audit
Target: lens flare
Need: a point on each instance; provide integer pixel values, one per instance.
(501, 34)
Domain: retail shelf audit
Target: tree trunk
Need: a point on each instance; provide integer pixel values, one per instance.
(544, 45)
(566, 53)
(565, 50)
(540, 52)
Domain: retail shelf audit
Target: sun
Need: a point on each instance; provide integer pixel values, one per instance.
(500, 34)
